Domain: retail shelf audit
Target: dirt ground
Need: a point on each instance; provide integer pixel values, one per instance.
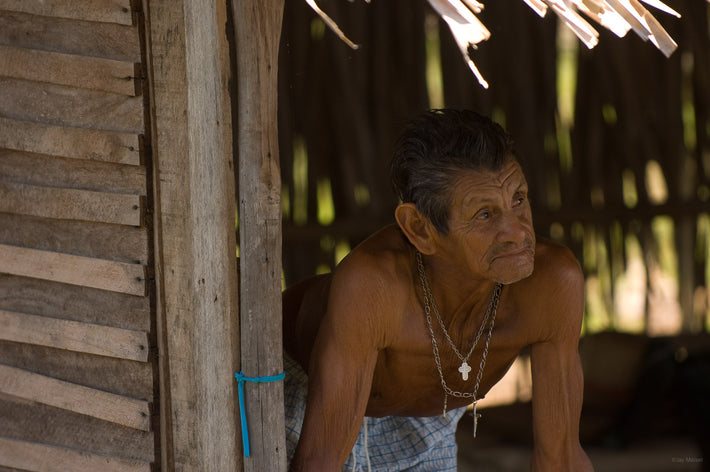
(495, 449)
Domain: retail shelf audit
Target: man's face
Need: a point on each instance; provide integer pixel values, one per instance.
(490, 225)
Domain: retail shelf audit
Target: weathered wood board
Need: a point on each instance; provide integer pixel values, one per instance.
(75, 270)
(258, 28)
(100, 240)
(196, 279)
(71, 204)
(69, 106)
(32, 456)
(78, 143)
(105, 11)
(34, 422)
(50, 171)
(77, 398)
(85, 38)
(73, 336)
(132, 379)
(69, 69)
(74, 302)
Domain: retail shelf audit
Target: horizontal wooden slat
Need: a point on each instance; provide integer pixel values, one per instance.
(70, 204)
(29, 421)
(51, 171)
(74, 302)
(104, 241)
(107, 11)
(78, 143)
(91, 73)
(132, 379)
(77, 398)
(73, 336)
(71, 269)
(32, 457)
(68, 106)
(85, 38)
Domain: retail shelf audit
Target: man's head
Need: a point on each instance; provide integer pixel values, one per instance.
(435, 148)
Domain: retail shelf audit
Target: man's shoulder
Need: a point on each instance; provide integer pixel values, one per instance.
(384, 255)
(379, 265)
(554, 264)
(372, 285)
(554, 294)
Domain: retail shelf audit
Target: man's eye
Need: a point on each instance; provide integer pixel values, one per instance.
(483, 215)
(519, 200)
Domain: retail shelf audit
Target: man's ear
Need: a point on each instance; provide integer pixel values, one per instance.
(416, 227)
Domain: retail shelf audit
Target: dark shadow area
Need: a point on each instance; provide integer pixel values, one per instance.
(646, 409)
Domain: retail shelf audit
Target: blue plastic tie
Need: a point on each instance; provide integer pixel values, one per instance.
(241, 379)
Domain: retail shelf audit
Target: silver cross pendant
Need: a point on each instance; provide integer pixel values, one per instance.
(464, 369)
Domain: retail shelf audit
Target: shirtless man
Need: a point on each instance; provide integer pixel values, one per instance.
(378, 366)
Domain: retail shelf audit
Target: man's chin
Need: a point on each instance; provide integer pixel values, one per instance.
(510, 273)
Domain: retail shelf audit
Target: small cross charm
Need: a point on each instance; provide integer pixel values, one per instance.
(464, 369)
(475, 419)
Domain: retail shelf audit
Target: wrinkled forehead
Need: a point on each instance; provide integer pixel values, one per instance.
(473, 185)
(509, 172)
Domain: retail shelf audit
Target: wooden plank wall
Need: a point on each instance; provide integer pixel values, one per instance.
(76, 334)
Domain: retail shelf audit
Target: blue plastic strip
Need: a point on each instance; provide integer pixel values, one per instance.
(241, 379)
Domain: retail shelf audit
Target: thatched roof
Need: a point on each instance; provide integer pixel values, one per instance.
(619, 16)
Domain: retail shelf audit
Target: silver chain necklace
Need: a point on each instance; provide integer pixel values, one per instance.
(464, 369)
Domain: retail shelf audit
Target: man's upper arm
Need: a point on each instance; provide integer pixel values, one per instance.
(557, 371)
(341, 368)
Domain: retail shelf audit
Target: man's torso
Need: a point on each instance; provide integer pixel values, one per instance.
(406, 381)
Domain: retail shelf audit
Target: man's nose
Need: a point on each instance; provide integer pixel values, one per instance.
(514, 228)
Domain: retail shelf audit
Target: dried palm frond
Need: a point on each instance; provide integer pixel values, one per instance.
(467, 30)
(331, 24)
(618, 16)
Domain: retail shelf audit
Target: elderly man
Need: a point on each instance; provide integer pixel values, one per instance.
(425, 316)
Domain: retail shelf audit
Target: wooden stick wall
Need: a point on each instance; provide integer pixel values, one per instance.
(77, 378)
(586, 144)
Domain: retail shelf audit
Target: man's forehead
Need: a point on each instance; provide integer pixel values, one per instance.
(509, 174)
(473, 187)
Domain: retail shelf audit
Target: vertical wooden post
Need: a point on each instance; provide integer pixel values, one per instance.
(258, 28)
(195, 240)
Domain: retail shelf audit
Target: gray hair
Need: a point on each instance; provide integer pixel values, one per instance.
(434, 149)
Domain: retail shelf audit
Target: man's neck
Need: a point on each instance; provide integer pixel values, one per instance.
(455, 293)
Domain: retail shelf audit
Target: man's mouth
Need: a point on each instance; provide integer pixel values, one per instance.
(511, 252)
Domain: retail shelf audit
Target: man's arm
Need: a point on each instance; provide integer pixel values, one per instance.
(557, 372)
(341, 368)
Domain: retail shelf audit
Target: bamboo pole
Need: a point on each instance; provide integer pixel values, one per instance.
(258, 29)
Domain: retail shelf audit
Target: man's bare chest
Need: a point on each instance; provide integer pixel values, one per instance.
(412, 376)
